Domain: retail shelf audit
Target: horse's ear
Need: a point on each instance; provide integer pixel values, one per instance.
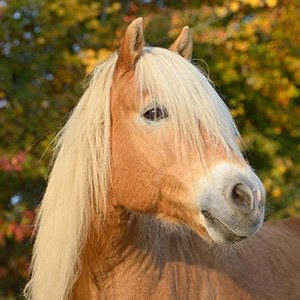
(132, 45)
(183, 44)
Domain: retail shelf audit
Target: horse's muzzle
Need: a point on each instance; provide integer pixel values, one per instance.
(232, 202)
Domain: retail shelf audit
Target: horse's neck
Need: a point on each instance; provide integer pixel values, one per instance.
(126, 246)
(107, 244)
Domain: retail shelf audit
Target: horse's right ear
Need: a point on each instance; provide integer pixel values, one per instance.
(132, 45)
(183, 44)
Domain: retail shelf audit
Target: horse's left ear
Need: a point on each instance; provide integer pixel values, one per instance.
(183, 44)
(132, 45)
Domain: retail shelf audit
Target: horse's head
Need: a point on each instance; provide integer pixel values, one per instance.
(173, 143)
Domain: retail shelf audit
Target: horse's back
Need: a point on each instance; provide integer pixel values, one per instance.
(287, 230)
(281, 240)
(293, 222)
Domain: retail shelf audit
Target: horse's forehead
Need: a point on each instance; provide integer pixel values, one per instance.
(123, 84)
(126, 91)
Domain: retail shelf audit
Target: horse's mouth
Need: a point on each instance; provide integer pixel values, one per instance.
(228, 236)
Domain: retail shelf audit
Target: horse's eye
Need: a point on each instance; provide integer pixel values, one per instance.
(155, 114)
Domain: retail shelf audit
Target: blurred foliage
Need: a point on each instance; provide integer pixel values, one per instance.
(250, 48)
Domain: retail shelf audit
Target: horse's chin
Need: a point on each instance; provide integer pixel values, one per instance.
(221, 233)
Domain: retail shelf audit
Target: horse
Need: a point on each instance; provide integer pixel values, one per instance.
(149, 195)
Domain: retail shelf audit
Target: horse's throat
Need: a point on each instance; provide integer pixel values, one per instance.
(130, 250)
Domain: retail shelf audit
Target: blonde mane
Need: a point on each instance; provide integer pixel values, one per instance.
(80, 168)
(80, 172)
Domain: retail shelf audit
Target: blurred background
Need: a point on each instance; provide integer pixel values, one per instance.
(250, 48)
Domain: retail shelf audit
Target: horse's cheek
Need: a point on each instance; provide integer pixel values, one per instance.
(135, 183)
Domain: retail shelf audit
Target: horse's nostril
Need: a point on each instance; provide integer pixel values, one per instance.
(206, 214)
(242, 197)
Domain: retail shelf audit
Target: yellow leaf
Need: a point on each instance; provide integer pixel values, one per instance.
(95, 6)
(276, 192)
(93, 24)
(115, 7)
(254, 3)
(242, 97)
(234, 6)
(221, 11)
(278, 130)
(60, 11)
(40, 40)
(90, 53)
(103, 54)
(293, 133)
(242, 46)
(282, 168)
(271, 3)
